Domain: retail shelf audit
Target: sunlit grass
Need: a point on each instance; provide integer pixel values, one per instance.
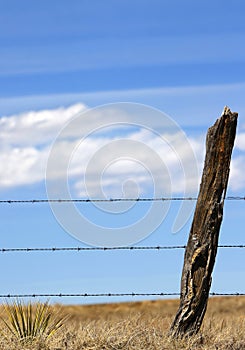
(131, 326)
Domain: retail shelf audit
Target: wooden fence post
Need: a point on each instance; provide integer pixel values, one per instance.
(203, 239)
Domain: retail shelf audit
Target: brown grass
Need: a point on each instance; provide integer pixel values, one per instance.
(140, 325)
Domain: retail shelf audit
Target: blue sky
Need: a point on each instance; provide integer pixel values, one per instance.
(57, 60)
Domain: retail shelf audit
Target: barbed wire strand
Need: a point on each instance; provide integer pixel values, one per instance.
(58, 249)
(84, 295)
(91, 200)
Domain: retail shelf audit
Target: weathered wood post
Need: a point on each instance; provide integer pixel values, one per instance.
(203, 239)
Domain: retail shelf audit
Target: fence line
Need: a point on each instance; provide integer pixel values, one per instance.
(55, 249)
(84, 295)
(91, 200)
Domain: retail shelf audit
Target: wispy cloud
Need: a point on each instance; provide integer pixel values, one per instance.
(108, 53)
(189, 105)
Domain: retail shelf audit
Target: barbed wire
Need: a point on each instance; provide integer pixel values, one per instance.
(78, 249)
(84, 295)
(89, 200)
(94, 200)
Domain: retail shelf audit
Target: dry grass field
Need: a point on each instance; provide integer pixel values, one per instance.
(138, 326)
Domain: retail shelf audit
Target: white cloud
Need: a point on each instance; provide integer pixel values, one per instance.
(21, 166)
(109, 164)
(240, 141)
(35, 127)
(237, 174)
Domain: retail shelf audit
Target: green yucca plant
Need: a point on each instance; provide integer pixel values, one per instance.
(31, 321)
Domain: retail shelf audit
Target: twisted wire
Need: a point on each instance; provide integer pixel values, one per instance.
(94, 200)
(80, 249)
(84, 295)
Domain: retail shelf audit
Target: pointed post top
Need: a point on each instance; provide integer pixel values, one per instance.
(226, 110)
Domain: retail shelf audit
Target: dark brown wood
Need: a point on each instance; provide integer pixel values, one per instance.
(203, 239)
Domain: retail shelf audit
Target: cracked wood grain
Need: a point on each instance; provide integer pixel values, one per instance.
(202, 244)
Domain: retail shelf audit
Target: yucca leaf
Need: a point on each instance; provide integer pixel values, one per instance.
(12, 314)
(27, 322)
(22, 320)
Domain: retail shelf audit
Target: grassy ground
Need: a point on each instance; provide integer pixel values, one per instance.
(138, 326)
